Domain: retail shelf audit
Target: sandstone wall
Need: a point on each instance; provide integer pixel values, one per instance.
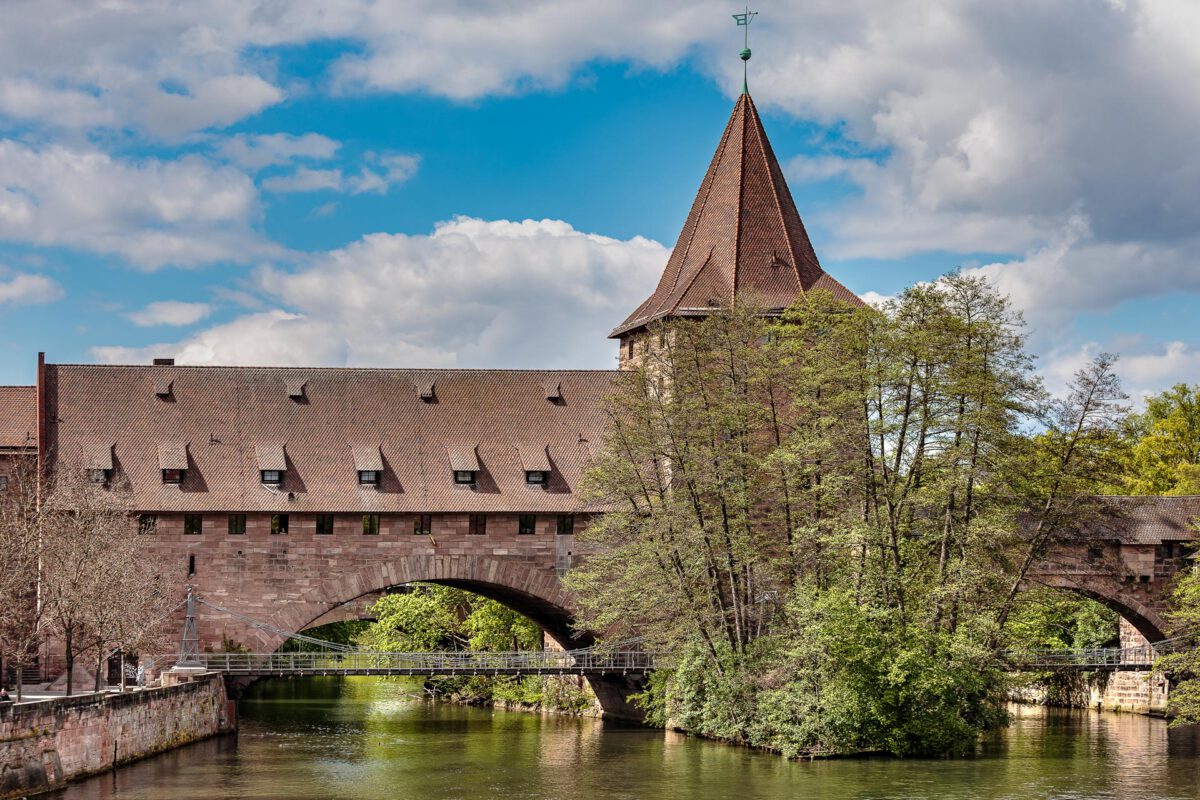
(43, 745)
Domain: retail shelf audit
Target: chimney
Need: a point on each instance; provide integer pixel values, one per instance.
(164, 362)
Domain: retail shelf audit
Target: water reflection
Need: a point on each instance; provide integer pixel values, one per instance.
(368, 738)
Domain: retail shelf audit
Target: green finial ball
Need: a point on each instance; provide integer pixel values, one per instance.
(745, 54)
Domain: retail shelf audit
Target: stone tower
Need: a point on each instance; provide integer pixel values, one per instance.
(742, 239)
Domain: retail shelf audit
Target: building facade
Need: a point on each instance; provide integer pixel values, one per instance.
(280, 493)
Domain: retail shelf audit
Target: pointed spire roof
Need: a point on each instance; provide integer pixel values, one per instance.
(742, 238)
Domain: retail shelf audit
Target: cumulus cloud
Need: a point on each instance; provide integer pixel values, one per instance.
(170, 312)
(148, 212)
(255, 152)
(535, 293)
(388, 170)
(25, 288)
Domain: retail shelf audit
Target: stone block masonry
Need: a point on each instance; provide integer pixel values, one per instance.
(43, 745)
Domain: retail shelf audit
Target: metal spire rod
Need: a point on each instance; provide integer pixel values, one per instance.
(744, 20)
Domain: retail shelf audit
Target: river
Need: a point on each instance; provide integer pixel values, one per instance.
(369, 739)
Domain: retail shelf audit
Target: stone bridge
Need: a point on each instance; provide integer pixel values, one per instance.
(1127, 559)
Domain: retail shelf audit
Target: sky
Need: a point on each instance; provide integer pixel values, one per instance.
(497, 184)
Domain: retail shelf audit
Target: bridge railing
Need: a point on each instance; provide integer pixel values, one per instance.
(371, 662)
(1100, 658)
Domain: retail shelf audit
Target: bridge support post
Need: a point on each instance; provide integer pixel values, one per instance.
(189, 640)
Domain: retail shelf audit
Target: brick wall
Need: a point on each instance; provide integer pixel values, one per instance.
(291, 580)
(43, 745)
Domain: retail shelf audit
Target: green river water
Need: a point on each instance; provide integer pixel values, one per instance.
(369, 739)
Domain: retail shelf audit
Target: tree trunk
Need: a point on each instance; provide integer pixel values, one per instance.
(70, 660)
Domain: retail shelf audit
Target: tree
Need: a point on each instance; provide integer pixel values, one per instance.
(20, 622)
(99, 586)
(827, 517)
(1164, 444)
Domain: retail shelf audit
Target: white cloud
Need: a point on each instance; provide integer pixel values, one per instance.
(388, 170)
(148, 212)
(1145, 368)
(255, 152)
(304, 179)
(473, 293)
(25, 288)
(170, 312)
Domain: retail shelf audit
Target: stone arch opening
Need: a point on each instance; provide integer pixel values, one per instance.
(534, 592)
(1131, 606)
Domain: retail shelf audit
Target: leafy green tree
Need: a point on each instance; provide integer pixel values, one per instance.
(828, 517)
(1163, 456)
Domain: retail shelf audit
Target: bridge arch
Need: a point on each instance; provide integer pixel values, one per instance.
(1120, 597)
(536, 593)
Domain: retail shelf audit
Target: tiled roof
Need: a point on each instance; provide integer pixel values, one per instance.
(18, 416)
(224, 423)
(742, 238)
(1150, 520)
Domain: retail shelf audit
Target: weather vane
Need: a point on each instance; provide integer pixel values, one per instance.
(744, 20)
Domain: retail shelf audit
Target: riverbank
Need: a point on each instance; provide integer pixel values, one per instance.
(46, 744)
(1136, 692)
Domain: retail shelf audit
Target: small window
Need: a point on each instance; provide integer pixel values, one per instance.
(566, 524)
(191, 566)
(98, 475)
(173, 475)
(370, 524)
(272, 477)
(535, 477)
(525, 524)
(279, 524)
(237, 524)
(3, 482)
(147, 523)
(423, 525)
(324, 524)
(368, 477)
(477, 525)
(193, 524)
(464, 477)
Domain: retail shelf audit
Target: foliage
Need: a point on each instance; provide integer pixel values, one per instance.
(344, 632)
(1163, 444)
(429, 617)
(829, 516)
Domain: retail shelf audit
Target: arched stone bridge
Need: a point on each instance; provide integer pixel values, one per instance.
(1127, 558)
(1126, 562)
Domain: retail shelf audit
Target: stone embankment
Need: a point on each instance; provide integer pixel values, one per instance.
(45, 744)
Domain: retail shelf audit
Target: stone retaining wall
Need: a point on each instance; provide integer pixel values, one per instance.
(43, 745)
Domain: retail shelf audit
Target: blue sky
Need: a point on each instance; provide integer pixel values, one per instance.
(490, 185)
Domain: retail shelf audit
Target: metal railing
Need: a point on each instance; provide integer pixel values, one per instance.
(363, 662)
(1098, 659)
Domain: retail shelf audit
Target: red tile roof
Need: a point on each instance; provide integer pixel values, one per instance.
(221, 421)
(1149, 520)
(742, 238)
(18, 416)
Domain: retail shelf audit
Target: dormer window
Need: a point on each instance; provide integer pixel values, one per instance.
(464, 463)
(536, 463)
(98, 460)
(173, 461)
(272, 463)
(368, 463)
